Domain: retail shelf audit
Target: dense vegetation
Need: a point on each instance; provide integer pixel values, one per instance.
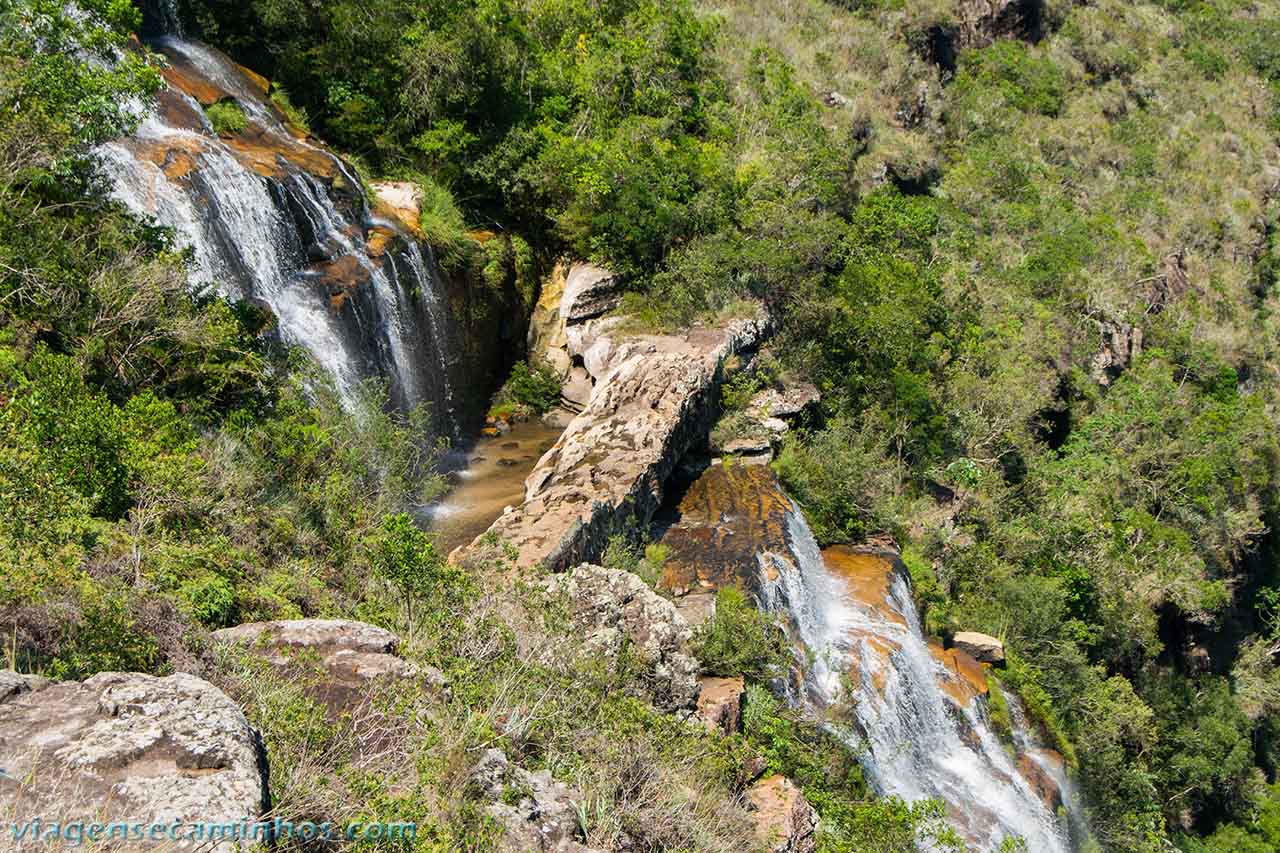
(1034, 278)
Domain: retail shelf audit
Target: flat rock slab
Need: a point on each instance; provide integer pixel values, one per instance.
(608, 469)
(128, 747)
(349, 654)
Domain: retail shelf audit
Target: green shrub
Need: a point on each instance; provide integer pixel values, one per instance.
(739, 639)
(404, 555)
(227, 117)
(1028, 81)
(534, 388)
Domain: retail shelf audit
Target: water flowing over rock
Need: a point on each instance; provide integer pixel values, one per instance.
(129, 747)
(275, 219)
(607, 471)
(917, 712)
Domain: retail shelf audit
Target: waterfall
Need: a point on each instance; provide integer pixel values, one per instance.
(866, 657)
(272, 218)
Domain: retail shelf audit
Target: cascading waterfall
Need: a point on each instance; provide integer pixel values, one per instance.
(871, 658)
(264, 226)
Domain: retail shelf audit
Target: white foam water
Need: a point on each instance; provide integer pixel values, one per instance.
(915, 742)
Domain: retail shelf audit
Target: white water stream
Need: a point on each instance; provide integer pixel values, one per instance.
(872, 658)
(256, 237)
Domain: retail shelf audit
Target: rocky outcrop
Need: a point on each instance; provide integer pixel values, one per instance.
(976, 24)
(981, 22)
(349, 655)
(720, 703)
(589, 291)
(785, 822)
(544, 814)
(401, 199)
(1119, 347)
(981, 647)
(758, 430)
(653, 401)
(547, 340)
(571, 296)
(613, 608)
(129, 747)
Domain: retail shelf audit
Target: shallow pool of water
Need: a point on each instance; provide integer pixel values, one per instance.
(490, 479)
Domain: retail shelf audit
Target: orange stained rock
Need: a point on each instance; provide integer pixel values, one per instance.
(869, 577)
(877, 652)
(728, 516)
(965, 678)
(1039, 777)
(175, 157)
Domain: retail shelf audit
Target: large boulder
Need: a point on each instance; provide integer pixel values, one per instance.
(129, 747)
(537, 813)
(785, 822)
(720, 703)
(613, 608)
(589, 291)
(608, 469)
(350, 655)
(981, 647)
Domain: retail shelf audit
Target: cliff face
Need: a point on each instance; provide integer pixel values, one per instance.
(654, 398)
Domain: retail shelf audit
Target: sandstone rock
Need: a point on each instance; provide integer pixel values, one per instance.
(787, 403)
(720, 703)
(982, 647)
(696, 608)
(547, 340)
(598, 357)
(12, 683)
(351, 654)
(130, 747)
(545, 818)
(403, 200)
(607, 471)
(589, 291)
(784, 820)
(612, 607)
(558, 418)
(705, 551)
(577, 388)
(749, 445)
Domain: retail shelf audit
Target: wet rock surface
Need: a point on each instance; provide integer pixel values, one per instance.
(129, 747)
(721, 521)
(608, 470)
(613, 609)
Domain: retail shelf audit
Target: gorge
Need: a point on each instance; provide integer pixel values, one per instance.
(785, 426)
(272, 217)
